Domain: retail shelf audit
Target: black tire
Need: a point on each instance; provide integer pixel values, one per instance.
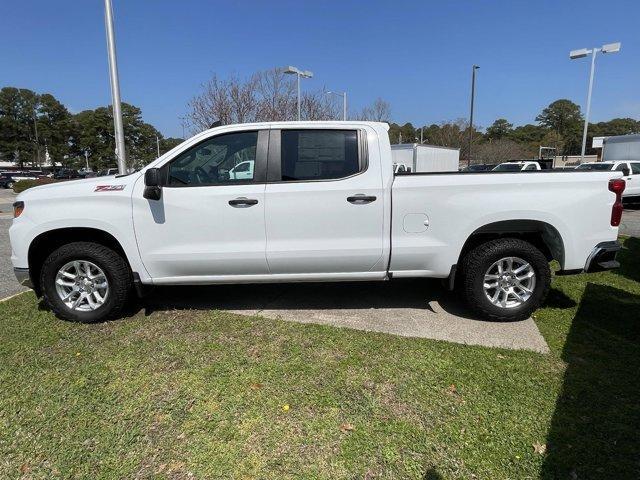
(477, 261)
(112, 264)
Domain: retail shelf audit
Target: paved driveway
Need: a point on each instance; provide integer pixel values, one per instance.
(630, 224)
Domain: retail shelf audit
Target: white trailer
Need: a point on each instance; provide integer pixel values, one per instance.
(426, 158)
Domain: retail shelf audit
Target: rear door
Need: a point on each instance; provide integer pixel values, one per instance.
(324, 203)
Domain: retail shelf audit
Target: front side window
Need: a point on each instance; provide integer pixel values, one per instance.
(530, 167)
(319, 154)
(215, 161)
(635, 168)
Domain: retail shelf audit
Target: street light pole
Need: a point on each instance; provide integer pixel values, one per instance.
(299, 73)
(298, 76)
(344, 102)
(473, 94)
(586, 115)
(115, 88)
(574, 54)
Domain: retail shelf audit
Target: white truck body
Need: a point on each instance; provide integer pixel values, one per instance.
(426, 158)
(368, 225)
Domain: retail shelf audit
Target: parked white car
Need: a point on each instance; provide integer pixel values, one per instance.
(630, 171)
(242, 171)
(322, 204)
(523, 166)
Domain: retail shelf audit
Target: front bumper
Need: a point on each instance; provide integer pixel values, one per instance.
(603, 257)
(22, 274)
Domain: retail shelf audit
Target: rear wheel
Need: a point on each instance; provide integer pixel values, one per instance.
(85, 282)
(505, 279)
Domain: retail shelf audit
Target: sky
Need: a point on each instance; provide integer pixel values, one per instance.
(415, 55)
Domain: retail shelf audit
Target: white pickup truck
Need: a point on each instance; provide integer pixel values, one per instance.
(321, 204)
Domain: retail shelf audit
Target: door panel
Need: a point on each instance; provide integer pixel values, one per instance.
(197, 229)
(311, 225)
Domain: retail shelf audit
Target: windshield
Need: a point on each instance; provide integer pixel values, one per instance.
(508, 167)
(595, 166)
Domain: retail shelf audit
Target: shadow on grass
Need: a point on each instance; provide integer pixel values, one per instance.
(558, 299)
(431, 474)
(629, 259)
(595, 430)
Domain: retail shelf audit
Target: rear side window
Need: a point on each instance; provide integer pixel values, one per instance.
(635, 168)
(319, 154)
(621, 167)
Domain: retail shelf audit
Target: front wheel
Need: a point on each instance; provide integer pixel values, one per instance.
(85, 282)
(505, 279)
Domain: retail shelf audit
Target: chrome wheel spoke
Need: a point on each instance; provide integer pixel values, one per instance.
(81, 285)
(509, 282)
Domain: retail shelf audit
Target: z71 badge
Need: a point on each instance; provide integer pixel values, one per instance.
(109, 188)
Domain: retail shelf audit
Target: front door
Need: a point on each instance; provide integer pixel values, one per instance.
(324, 203)
(209, 222)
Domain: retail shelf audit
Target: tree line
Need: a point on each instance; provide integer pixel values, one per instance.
(559, 126)
(33, 125)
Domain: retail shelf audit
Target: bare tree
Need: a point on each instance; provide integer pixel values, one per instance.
(265, 96)
(501, 150)
(455, 134)
(378, 111)
(277, 94)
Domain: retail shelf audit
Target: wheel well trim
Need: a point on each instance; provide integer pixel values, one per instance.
(89, 232)
(552, 237)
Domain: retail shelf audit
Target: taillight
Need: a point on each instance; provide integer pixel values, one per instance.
(18, 207)
(616, 185)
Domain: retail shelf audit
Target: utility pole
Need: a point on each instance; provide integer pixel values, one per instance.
(473, 94)
(86, 159)
(121, 155)
(158, 145)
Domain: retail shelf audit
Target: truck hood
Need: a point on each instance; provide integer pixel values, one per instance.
(82, 187)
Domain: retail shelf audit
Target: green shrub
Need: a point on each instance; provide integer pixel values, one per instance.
(22, 185)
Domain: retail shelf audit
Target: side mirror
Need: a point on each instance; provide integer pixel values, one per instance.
(152, 184)
(625, 172)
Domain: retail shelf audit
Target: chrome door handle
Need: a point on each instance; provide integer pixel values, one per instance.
(243, 202)
(361, 199)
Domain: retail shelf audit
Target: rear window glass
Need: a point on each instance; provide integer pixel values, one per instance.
(319, 154)
(508, 167)
(595, 166)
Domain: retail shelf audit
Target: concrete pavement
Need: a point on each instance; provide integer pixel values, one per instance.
(630, 224)
(410, 308)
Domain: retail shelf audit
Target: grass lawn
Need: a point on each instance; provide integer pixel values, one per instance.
(190, 394)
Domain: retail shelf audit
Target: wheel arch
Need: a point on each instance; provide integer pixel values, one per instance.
(47, 242)
(542, 235)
